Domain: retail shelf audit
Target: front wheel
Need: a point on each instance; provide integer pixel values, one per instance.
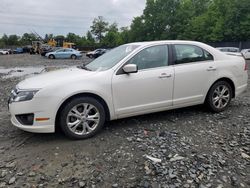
(82, 118)
(51, 56)
(73, 56)
(219, 96)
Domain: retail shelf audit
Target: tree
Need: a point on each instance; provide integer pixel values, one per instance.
(71, 37)
(157, 21)
(138, 30)
(112, 37)
(2, 44)
(99, 28)
(27, 38)
(90, 39)
(124, 35)
(12, 40)
(113, 27)
(5, 39)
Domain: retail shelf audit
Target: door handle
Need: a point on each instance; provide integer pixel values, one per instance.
(211, 69)
(165, 75)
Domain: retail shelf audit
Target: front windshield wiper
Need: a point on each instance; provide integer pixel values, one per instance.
(84, 67)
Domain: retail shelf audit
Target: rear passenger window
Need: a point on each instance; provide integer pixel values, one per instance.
(190, 53)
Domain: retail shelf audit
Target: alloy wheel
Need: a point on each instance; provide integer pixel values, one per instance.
(221, 97)
(83, 118)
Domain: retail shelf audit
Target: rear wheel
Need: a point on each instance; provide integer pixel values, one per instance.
(51, 56)
(73, 56)
(82, 118)
(219, 96)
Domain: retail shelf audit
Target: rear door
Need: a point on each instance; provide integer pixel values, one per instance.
(194, 70)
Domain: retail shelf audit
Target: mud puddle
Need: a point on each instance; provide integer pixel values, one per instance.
(6, 73)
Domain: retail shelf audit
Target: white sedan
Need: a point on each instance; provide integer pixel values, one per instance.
(130, 80)
(4, 52)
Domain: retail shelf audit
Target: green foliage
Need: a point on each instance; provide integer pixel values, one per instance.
(27, 38)
(10, 40)
(71, 37)
(207, 21)
(99, 27)
(112, 37)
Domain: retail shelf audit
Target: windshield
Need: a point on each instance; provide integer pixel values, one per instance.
(111, 58)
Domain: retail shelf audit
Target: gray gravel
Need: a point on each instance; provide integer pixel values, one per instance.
(188, 147)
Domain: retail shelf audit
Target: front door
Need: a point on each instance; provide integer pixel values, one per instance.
(148, 90)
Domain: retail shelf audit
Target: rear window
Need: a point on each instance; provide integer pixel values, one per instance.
(190, 53)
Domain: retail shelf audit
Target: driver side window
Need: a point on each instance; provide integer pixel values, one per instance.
(152, 57)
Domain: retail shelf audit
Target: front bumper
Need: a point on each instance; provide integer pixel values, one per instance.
(33, 128)
(41, 109)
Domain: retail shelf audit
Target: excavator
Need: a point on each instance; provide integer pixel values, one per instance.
(41, 45)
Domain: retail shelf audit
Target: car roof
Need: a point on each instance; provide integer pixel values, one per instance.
(216, 53)
(172, 42)
(167, 42)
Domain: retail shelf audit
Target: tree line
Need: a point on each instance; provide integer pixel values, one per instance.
(201, 20)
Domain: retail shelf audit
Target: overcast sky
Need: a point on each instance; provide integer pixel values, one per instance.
(64, 16)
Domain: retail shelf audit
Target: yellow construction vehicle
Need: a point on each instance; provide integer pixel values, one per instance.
(68, 45)
(52, 43)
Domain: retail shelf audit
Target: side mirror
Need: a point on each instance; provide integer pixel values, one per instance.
(130, 68)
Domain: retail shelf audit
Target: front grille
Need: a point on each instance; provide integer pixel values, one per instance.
(25, 119)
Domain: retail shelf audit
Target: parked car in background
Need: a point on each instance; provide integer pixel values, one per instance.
(64, 53)
(96, 53)
(26, 49)
(4, 52)
(45, 51)
(246, 53)
(18, 51)
(9, 50)
(230, 51)
(132, 79)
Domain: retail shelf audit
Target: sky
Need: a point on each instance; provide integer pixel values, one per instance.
(64, 16)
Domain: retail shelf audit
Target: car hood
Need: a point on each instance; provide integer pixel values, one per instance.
(54, 78)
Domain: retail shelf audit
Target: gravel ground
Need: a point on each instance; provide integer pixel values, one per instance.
(188, 147)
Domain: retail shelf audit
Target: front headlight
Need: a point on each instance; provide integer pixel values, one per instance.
(22, 95)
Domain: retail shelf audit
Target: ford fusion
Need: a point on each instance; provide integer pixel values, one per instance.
(130, 80)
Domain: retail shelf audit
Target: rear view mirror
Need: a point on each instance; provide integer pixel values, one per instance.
(130, 68)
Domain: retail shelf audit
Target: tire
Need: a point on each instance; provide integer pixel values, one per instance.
(73, 56)
(51, 56)
(76, 124)
(91, 56)
(219, 96)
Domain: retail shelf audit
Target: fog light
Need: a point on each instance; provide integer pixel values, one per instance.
(25, 119)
